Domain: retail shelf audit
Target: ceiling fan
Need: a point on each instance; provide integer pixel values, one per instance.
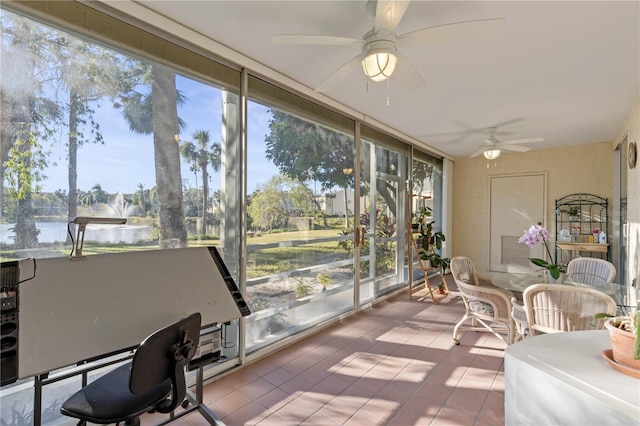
(492, 146)
(379, 56)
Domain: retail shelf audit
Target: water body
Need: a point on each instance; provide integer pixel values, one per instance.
(51, 232)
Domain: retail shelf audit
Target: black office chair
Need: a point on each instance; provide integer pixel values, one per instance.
(152, 381)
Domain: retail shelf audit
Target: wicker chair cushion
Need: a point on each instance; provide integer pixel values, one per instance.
(467, 278)
(482, 308)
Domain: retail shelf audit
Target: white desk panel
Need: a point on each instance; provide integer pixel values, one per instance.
(73, 310)
(563, 379)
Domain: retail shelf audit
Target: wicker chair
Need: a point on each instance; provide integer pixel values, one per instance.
(465, 271)
(593, 272)
(488, 308)
(553, 308)
(519, 316)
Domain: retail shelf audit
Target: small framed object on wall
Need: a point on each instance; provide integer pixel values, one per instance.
(632, 154)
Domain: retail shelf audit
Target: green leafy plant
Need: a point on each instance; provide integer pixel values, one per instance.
(430, 242)
(302, 288)
(420, 217)
(323, 279)
(573, 211)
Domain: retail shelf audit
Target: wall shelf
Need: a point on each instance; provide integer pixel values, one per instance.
(579, 215)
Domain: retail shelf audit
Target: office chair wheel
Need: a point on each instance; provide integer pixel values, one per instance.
(457, 342)
(185, 403)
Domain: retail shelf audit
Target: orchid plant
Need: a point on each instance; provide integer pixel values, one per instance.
(538, 234)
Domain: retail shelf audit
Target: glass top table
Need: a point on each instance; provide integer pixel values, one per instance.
(626, 297)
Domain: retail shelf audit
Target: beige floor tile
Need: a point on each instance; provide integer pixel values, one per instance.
(394, 364)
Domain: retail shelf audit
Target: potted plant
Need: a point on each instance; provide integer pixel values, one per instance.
(573, 212)
(623, 333)
(420, 217)
(534, 235)
(430, 243)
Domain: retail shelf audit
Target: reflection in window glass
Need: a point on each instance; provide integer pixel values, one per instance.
(427, 182)
(382, 182)
(299, 250)
(90, 131)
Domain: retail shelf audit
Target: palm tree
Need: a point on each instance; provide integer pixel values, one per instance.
(157, 113)
(201, 154)
(141, 199)
(98, 194)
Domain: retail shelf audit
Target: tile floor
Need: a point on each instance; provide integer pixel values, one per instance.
(394, 364)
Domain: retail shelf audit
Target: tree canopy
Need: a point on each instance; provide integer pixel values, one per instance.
(271, 205)
(309, 152)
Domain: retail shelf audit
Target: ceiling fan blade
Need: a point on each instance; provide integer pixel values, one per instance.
(389, 13)
(455, 32)
(339, 74)
(525, 140)
(478, 152)
(517, 148)
(407, 74)
(318, 40)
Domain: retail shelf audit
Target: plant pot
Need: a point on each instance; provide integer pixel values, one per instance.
(622, 346)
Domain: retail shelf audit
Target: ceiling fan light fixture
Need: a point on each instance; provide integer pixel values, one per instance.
(379, 66)
(379, 59)
(491, 153)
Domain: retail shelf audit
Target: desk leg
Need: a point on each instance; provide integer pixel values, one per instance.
(37, 400)
(196, 401)
(203, 409)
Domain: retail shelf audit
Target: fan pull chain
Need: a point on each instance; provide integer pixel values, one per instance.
(388, 90)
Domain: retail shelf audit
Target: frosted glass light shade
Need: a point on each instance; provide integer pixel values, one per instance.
(492, 154)
(379, 66)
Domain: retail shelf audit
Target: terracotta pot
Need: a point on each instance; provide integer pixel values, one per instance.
(622, 345)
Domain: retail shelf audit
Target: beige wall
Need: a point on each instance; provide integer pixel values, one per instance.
(580, 168)
(632, 129)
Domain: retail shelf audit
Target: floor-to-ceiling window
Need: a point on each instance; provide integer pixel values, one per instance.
(123, 123)
(383, 175)
(90, 130)
(426, 188)
(93, 129)
(300, 245)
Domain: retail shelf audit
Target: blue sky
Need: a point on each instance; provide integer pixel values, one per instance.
(126, 159)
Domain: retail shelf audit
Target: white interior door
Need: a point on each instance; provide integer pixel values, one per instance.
(516, 203)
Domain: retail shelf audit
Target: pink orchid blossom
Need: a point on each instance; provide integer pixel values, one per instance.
(538, 234)
(534, 235)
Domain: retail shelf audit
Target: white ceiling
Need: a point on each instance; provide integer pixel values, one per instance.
(567, 71)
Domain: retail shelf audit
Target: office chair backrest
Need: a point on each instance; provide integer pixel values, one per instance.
(152, 381)
(163, 355)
